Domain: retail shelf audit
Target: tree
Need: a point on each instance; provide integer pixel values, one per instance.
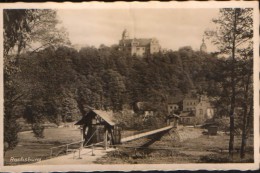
(26, 26)
(22, 28)
(233, 35)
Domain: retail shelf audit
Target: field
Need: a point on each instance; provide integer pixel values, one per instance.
(191, 146)
(29, 146)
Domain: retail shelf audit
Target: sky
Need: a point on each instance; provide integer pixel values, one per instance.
(174, 28)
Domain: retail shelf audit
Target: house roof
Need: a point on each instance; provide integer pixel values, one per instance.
(173, 116)
(187, 114)
(103, 114)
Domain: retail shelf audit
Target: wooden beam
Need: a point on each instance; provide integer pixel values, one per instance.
(130, 138)
(105, 138)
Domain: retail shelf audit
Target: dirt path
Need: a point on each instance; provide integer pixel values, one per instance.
(85, 157)
(186, 133)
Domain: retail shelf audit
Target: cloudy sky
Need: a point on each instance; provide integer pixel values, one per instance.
(174, 28)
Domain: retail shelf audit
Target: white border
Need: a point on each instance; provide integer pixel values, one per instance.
(126, 5)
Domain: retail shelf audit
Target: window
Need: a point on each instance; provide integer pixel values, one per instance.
(138, 48)
(171, 107)
(201, 112)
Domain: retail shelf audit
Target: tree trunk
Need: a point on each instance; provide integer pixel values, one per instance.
(233, 93)
(245, 114)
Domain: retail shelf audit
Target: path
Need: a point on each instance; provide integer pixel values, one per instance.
(86, 157)
(189, 133)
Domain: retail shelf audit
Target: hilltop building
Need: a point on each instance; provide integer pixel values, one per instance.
(138, 46)
(203, 47)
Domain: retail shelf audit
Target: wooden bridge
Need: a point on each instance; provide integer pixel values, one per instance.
(148, 138)
(159, 132)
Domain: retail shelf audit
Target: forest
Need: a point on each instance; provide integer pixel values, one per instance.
(61, 83)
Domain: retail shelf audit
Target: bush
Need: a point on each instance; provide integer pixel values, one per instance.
(38, 130)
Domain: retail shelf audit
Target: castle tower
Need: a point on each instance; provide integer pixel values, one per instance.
(203, 47)
(125, 35)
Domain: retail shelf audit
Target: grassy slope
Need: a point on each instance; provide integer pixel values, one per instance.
(29, 146)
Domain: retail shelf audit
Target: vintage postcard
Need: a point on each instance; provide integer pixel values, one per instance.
(129, 86)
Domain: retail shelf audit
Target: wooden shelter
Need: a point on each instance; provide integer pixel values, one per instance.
(98, 126)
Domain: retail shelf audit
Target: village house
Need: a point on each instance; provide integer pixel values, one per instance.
(174, 104)
(190, 103)
(187, 117)
(195, 109)
(204, 110)
(138, 46)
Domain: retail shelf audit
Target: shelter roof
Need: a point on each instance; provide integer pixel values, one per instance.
(103, 114)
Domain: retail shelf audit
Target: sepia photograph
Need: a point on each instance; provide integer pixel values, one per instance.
(130, 84)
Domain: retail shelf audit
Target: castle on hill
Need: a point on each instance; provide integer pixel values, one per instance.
(144, 46)
(138, 46)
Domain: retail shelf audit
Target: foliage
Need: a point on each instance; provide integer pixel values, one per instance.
(38, 130)
(24, 28)
(233, 38)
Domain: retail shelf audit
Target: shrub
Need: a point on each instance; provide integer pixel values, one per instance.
(38, 130)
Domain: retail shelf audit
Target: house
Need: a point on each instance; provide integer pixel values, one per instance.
(187, 117)
(174, 104)
(190, 103)
(204, 110)
(199, 106)
(145, 109)
(138, 46)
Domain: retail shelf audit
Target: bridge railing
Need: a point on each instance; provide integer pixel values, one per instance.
(71, 147)
(65, 149)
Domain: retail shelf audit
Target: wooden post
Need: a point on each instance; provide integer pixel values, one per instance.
(92, 147)
(105, 138)
(79, 154)
(82, 130)
(51, 152)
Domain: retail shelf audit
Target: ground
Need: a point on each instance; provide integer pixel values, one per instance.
(29, 146)
(192, 146)
(186, 145)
